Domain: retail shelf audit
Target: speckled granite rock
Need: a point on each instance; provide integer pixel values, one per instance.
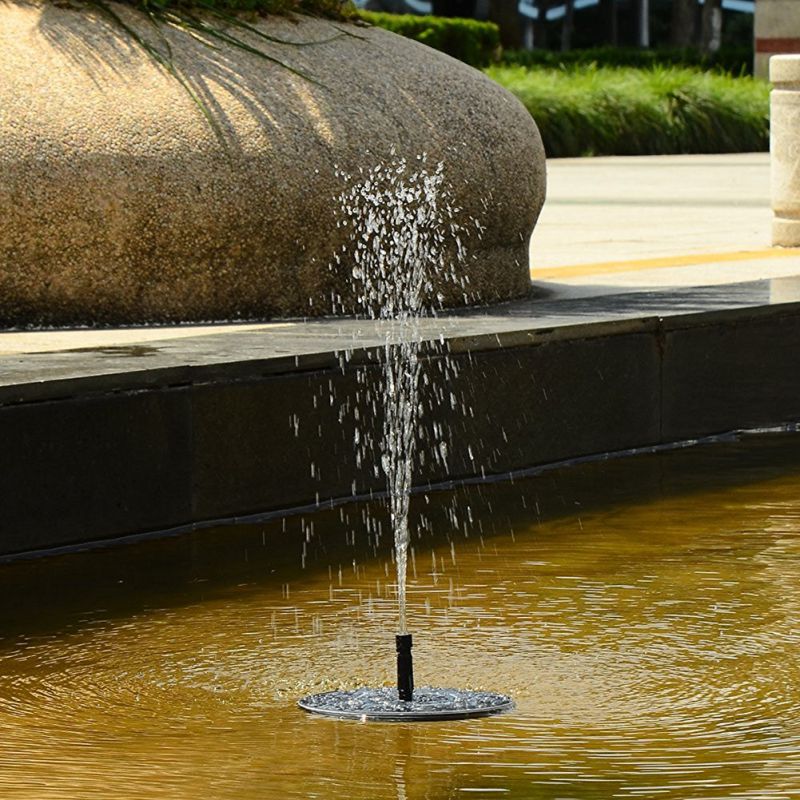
(118, 202)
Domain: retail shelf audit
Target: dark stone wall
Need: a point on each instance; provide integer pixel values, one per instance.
(100, 464)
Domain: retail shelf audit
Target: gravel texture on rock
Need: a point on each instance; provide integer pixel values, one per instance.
(119, 202)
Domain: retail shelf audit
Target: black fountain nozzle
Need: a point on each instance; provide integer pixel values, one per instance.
(405, 666)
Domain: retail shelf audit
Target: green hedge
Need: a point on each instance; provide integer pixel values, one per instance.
(468, 40)
(735, 60)
(622, 111)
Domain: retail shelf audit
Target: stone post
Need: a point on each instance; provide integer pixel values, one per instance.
(784, 72)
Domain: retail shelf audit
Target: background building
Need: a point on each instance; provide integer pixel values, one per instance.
(777, 30)
(567, 24)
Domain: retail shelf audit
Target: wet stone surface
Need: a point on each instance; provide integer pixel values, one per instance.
(429, 703)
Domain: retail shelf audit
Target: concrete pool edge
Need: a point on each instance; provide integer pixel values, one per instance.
(113, 455)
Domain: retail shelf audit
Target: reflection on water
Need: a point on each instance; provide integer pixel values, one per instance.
(644, 614)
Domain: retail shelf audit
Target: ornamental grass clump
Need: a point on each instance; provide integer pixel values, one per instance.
(734, 59)
(622, 111)
(333, 9)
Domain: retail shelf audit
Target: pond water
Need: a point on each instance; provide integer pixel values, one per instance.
(643, 612)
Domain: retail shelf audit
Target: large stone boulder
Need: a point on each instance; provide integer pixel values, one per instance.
(121, 202)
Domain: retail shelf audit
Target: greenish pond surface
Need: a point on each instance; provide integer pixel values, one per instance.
(643, 612)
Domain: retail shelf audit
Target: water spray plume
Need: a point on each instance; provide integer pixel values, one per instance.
(405, 244)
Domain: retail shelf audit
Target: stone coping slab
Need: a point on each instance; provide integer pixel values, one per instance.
(303, 345)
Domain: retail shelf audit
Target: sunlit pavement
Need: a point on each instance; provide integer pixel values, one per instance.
(627, 224)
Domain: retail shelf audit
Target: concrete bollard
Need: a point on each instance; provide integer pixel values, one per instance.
(784, 72)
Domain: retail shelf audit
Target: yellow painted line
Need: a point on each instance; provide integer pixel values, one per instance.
(603, 267)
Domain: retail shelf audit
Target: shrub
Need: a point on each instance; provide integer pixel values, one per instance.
(731, 59)
(622, 111)
(468, 40)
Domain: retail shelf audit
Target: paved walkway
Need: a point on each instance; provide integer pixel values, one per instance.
(626, 224)
(610, 226)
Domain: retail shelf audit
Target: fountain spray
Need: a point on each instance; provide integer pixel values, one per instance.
(403, 216)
